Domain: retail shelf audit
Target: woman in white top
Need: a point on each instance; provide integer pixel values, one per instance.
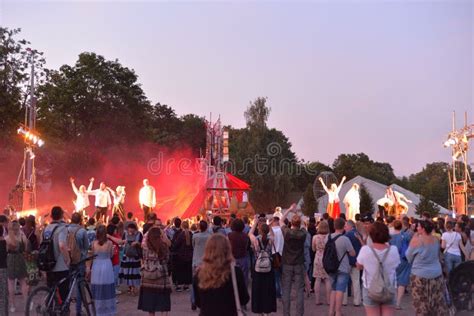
(352, 202)
(333, 209)
(82, 196)
(119, 200)
(368, 261)
(450, 242)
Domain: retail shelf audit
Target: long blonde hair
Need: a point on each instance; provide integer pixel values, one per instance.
(216, 263)
(14, 234)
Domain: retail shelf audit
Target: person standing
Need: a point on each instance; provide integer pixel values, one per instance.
(82, 196)
(450, 242)
(213, 284)
(102, 275)
(369, 260)
(277, 250)
(57, 232)
(3, 275)
(155, 288)
(263, 283)
(183, 258)
(199, 243)
(352, 202)
(340, 279)
(293, 269)
(102, 201)
(320, 275)
(333, 208)
(428, 285)
(401, 240)
(147, 198)
(130, 266)
(119, 201)
(82, 244)
(240, 243)
(356, 241)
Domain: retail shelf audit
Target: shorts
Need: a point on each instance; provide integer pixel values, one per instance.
(340, 281)
(369, 303)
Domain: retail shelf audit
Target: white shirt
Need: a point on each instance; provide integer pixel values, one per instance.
(278, 240)
(333, 196)
(119, 198)
(452, 240)
(147, 196)
(367, 258)
(353, 199)
(82, 198)
(102, 197)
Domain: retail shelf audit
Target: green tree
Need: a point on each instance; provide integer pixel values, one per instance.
(366, 201)
(306, 173)
(352, 165)
(431, 182)
(425, 205)
(310, 204)
(257, 113)
(15, 56)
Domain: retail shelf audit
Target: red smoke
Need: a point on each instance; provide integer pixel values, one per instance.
(173, 173)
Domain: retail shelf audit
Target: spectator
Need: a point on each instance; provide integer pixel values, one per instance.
(91, 230)
(217, 228)
(183, 258)
(199, 243)
(318, 244)
(278, 243)
(213, 282)
(155, 289)
(130, 266)
(82, 242)
(263, 283)
(150, 222)
(340, 280)
(312, 233)
(4, 224)
(426, 274)
(102, 275)
(114, 237)
(30, 232)
(293, 262)
(368, 261)
(451, 242)
(401, 240)
(57, 231)
(356, 241)
(3, 275)
(239, 242)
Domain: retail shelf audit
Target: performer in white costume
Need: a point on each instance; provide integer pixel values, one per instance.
(333, 208)
(396, 202)
(82, 196)
(147, 198)
(119, 200)
(352, 202)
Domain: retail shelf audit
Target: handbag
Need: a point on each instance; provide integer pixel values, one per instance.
(240, 312)
(276, 259)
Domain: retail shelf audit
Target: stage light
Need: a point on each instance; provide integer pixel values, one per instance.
(31, 138)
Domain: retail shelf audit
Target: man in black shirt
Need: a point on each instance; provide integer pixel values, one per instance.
(293, 262)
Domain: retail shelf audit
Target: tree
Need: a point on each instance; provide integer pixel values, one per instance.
(428, 206)
(432, 182)
(257, 113)
(306, 173)
(14, 78)
(310, 203)
(352, 165)
(366, 201)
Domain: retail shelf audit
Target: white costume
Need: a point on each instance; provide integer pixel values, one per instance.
(82, 198)
(147, 196)
(352, 203)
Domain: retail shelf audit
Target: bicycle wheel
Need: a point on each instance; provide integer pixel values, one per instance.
(87, 300)
(40, 302)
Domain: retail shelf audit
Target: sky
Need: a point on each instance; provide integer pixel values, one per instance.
(340, 76)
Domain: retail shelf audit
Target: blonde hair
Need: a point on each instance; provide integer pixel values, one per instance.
(216, 263)
(323, 228)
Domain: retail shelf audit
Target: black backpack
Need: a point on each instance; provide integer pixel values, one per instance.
(331, 261)
(46, 257)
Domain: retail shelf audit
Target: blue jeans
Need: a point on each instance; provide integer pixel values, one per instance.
(340, 281)
(116, 274)
(290, 273)
(451, 261)
(82, 274)
(278, 282)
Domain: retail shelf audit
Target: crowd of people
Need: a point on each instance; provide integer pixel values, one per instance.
(235, 264)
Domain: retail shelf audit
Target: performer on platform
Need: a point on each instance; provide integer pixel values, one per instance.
(394, 203)
(333, 209)
(119, 200)
(147, 198)
(352, 202)
(82, 196)
(102, 201)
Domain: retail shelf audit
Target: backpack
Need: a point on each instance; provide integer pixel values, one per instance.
(381, 290)
(331, 261)
(263, 264)
(74, 250)
(46, 257)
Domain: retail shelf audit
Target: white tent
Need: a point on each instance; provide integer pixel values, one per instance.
(377, 191)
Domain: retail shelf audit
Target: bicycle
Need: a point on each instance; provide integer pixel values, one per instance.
(46, 301)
